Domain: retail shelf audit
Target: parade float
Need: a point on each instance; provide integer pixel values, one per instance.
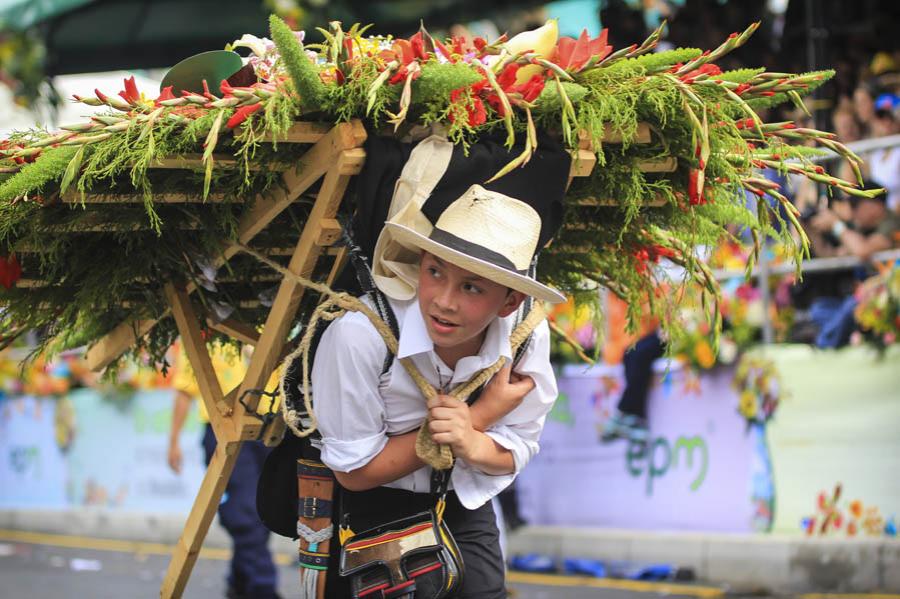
(215, 209)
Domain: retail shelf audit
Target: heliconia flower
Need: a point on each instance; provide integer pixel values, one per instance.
(572, 54)
(130, 94)
(241, 114)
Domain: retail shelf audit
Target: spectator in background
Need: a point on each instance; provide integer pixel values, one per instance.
(253, 574)
(864, 105)
(630, 419)
(872, 229)
(884, 164)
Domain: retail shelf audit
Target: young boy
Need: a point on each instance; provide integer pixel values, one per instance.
(470, 281)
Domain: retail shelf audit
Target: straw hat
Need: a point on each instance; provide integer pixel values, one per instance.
(485, 232)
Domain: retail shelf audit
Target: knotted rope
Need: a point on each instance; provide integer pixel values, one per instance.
(439, 457)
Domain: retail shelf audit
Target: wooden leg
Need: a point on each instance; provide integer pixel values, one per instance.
(202, 513)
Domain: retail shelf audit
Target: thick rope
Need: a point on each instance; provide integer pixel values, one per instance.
(439, 457)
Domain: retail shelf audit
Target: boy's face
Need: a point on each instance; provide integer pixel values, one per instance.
(458, 305)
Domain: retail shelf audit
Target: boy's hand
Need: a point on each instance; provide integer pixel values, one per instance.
(503, 394)
(451, 424)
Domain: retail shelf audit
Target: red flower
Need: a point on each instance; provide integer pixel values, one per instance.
(165, 94)
(10, 271)
(417, 44)
(695, 183)
(240, 115)
(480, 43)
(130, 94)
(572, 54)
(707, 69)
(402, 73)
(477, 115)
(507, 79)
(532, 88)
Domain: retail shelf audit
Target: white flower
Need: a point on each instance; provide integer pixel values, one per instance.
(258, 46)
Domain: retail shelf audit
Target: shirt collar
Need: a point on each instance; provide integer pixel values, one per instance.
(414, 337)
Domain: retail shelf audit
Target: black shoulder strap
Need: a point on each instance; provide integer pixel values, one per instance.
(364, 277)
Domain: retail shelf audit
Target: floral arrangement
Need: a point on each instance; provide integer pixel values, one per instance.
(90, 268)
(856, 519)
(878, 311)
(758, 384)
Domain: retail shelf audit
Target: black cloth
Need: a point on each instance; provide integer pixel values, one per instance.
(475, 532)
(541, 183)
(638, 363)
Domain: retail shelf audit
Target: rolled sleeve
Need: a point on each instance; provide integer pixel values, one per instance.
(519, 431)
(346, 401)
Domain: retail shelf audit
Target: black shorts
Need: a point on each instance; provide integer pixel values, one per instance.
(475, 532)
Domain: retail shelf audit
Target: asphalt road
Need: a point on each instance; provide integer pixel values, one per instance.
(60, 567)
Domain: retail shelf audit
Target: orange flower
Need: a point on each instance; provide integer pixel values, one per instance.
(573, 55)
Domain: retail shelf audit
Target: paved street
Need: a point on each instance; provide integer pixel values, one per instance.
(59, 567)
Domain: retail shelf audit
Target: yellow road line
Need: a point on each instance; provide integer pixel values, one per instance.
(849, 596)
(609, 583)
(139, 547)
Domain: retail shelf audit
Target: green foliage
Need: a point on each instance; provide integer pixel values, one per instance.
(438, 80)
(34, 176)
(313, 93)
(740, 75)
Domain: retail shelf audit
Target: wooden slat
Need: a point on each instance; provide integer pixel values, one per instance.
(195, 161)
(612, 137)
(329, 232)
(652, 203)
(583, 162)
(304, 133)
(353, 161)
(315, 163)
(661, 165)
(194, 345)
(235, 329)
(75, 197)
(202, 513)
(97, 223)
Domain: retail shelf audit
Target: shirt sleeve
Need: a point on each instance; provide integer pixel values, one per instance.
(520, 430)
(346, 400)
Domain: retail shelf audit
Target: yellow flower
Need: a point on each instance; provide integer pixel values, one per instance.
(705, 356)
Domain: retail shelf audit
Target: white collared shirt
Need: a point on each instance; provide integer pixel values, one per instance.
(358, 408)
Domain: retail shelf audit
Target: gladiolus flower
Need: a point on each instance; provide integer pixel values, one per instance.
(241, 114)
(707, 69)
(477, 115)
(130, 94)
(165, 94)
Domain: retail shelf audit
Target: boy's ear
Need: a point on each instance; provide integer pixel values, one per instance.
(511, 303)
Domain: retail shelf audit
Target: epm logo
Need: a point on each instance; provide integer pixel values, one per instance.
(659, 456)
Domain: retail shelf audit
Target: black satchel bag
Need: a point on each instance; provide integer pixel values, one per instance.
(414, 557)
